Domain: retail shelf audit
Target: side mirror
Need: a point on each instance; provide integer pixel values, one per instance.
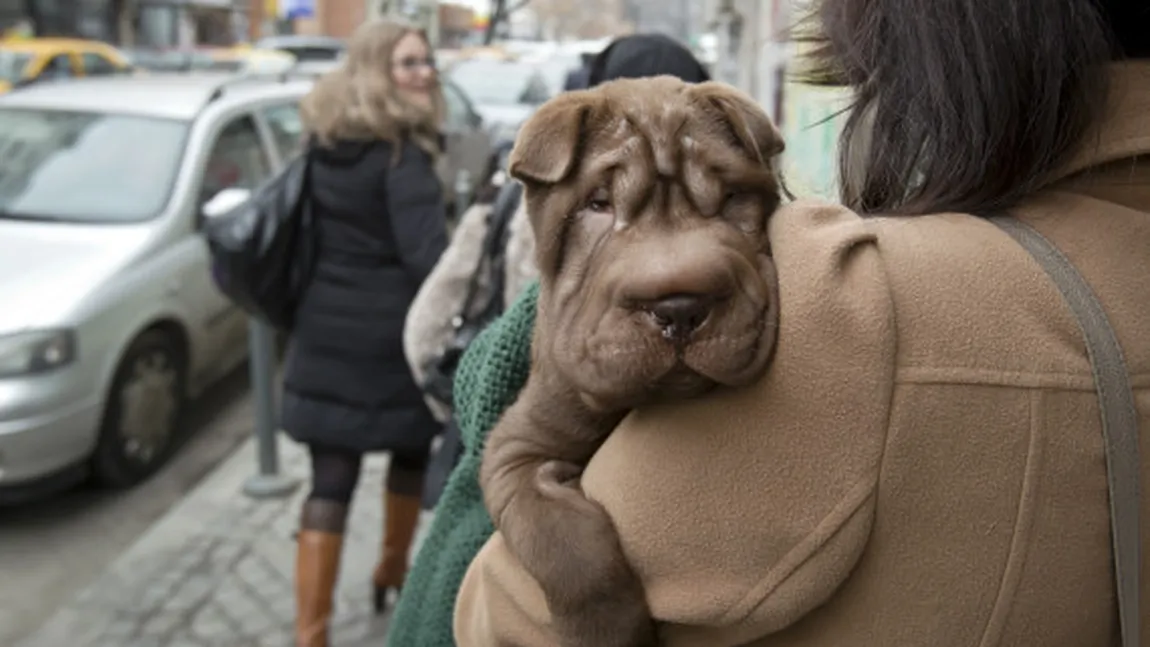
(224, 202)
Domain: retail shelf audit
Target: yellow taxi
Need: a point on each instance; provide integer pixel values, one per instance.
(24, 61)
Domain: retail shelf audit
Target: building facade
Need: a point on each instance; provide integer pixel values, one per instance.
(72, 18)
(755, 55)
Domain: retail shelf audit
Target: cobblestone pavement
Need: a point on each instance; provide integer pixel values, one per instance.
(216, 571)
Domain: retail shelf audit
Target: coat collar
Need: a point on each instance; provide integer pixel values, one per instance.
(1125, 129)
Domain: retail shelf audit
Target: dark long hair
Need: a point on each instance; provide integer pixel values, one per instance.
(961, 105)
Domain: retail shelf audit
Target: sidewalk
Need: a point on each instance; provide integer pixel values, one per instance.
(216, 570)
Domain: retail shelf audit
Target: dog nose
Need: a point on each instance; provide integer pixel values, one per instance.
(680, 315)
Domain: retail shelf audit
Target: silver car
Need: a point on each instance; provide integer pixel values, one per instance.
(504, 93)
(110, 319)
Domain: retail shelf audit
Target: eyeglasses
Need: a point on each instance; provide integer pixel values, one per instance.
(411, 63)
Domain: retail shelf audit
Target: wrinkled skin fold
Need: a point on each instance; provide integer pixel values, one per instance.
(649, 201)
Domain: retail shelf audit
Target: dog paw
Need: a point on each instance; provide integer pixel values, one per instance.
(560, 473)
(619, 619)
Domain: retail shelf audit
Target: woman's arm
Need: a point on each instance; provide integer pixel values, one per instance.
(415, 206)
(744, 510)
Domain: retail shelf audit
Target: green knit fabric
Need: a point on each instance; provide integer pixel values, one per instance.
(488, 380)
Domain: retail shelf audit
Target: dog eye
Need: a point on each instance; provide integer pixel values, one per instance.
(599, 202)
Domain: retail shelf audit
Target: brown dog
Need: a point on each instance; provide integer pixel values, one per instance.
(649, 202)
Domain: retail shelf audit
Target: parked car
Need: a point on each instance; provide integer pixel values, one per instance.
(111, 319)
(248, 60)
(305, 48)
(468, 141)
(27, 61)
(150, 60)
(504, 92)
(238, 60)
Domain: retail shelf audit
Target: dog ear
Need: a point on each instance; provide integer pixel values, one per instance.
(750, 125)
(547, 146)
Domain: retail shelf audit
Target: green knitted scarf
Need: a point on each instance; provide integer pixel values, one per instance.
(488, 380)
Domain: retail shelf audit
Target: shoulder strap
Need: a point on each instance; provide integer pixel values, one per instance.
(1119, 416)
(489, 261)
(496, 246)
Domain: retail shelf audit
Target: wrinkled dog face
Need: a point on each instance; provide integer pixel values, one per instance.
(649, 200)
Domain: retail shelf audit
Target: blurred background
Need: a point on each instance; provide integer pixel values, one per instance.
(121, 364)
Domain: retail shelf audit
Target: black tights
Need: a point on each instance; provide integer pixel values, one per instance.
(335, 473)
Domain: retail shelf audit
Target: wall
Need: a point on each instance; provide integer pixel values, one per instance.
(760, 63)
(337, 18)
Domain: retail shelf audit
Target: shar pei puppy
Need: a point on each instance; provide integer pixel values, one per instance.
(649, 201)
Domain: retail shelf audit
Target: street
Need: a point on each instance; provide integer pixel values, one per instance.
(52, 548)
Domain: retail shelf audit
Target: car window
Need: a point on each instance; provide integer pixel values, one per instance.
(492, 82)
(458, 112)
(536, 91)
(237, 159)
(59, 67)
(78, 166)
(97, 65)
(286, 127)
(308, 54)
(13, 65)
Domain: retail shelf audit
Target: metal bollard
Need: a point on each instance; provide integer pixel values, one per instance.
(462, 193)
(267, 482)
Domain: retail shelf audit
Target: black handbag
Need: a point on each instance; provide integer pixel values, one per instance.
(474, 314)
(263, 251)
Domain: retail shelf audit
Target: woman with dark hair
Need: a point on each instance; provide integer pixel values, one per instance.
(461, 525)
(924, 463)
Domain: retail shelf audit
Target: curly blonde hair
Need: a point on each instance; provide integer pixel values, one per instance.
(358, 100)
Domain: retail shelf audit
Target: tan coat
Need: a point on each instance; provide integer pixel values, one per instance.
(923, 464)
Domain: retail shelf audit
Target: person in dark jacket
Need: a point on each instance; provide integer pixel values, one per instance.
(579, 78)
(423, 615)
(382, 227)
(639, 56)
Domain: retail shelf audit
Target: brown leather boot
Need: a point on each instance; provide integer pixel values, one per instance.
(401, 515)
(319, 544)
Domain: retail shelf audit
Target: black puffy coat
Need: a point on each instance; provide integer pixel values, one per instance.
(381, 227)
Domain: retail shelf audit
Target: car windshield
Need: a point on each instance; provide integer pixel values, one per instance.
(554, 71)
(305, 53)
(493, 82)
(13, 64)
(225, 65)
(86, 166)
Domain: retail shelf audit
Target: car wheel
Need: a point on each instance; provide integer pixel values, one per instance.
(142, 414)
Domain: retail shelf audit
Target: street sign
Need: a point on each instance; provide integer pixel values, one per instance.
(292, 9)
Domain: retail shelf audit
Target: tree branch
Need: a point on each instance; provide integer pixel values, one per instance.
(499, 15)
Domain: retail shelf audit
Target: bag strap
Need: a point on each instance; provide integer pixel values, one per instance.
(1119, 415)
(494, 239)
(496, 246)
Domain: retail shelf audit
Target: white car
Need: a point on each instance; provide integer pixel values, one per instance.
(110, 318)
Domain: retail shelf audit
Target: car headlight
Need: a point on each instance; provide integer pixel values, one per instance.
(28, 353)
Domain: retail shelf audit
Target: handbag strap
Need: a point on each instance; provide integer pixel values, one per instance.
(1119, 415)
(490, 256)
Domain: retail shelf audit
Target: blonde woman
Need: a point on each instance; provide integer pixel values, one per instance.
(373, 127)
